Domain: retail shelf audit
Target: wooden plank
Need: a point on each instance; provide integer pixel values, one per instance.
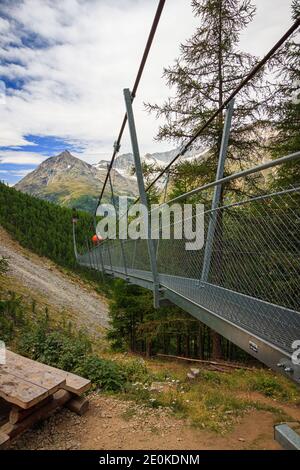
(20, 392)
(76, 384)
(32, 372)
(73, 383)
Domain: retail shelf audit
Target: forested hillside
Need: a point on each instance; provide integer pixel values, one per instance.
(41, 226)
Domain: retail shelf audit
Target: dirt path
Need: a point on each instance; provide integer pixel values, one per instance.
(119, 425)
(42, 276)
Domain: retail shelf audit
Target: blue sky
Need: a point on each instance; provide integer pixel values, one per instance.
(65, 64)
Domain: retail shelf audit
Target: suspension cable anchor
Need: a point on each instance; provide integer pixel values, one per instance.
(116, 146)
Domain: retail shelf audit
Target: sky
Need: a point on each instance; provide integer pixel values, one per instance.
(64, 65)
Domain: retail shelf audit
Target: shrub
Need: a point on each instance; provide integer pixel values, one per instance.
(136, 370)
(3, 265)
(56, 346)
(104, 374)
(11, 316)
(267, 385)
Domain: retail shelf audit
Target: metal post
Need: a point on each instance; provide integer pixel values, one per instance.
(133, 255)
(100, 254)
(109, 255)
(94, 261)
(74, 241)
(142, 192)
(99, 266)
(160, 219)
(217, 193)
(89, 253)
(101, 258)
(120, 240)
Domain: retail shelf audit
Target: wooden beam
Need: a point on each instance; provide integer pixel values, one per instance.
(78, 405)
(202, 361)
(59, 399)
(4, 438)
(17, 414)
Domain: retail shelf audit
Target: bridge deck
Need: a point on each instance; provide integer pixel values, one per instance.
(278, 325)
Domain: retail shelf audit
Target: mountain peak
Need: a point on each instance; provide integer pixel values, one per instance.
(64, 154)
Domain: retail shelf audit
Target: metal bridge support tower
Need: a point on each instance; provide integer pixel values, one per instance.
(120, 240)
(142, 192)
(217, 193)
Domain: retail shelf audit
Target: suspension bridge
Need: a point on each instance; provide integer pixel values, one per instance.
(244, 283)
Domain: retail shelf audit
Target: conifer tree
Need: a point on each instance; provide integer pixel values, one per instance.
(286, 112)
(209, 68)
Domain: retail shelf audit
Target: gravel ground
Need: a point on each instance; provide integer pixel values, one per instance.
(115, 424)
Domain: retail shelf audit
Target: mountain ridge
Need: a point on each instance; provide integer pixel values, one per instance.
(71, 182)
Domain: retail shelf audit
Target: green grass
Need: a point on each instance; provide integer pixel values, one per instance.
(216, 401)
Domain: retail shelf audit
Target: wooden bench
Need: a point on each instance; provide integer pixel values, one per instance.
(33, 391)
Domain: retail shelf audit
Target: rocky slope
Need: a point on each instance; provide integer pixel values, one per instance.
(48, 285)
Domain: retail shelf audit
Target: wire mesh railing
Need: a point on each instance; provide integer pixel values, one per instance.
(254, 269)
(256, 250)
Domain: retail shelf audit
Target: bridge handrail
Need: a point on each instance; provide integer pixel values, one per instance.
(240, 174)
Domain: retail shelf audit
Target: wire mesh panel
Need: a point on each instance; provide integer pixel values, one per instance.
(173, 257)
(256, 248)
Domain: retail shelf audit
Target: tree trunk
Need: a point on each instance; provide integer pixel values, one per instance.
(200, 344)
(132, 336)
(196, 347)
(178, 345)
(148, 347)
(187, 346)
(166, 344)
(216, 345)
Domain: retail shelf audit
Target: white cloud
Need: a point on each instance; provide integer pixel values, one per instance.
(73, 84)
(20, 173)
(20, 157)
